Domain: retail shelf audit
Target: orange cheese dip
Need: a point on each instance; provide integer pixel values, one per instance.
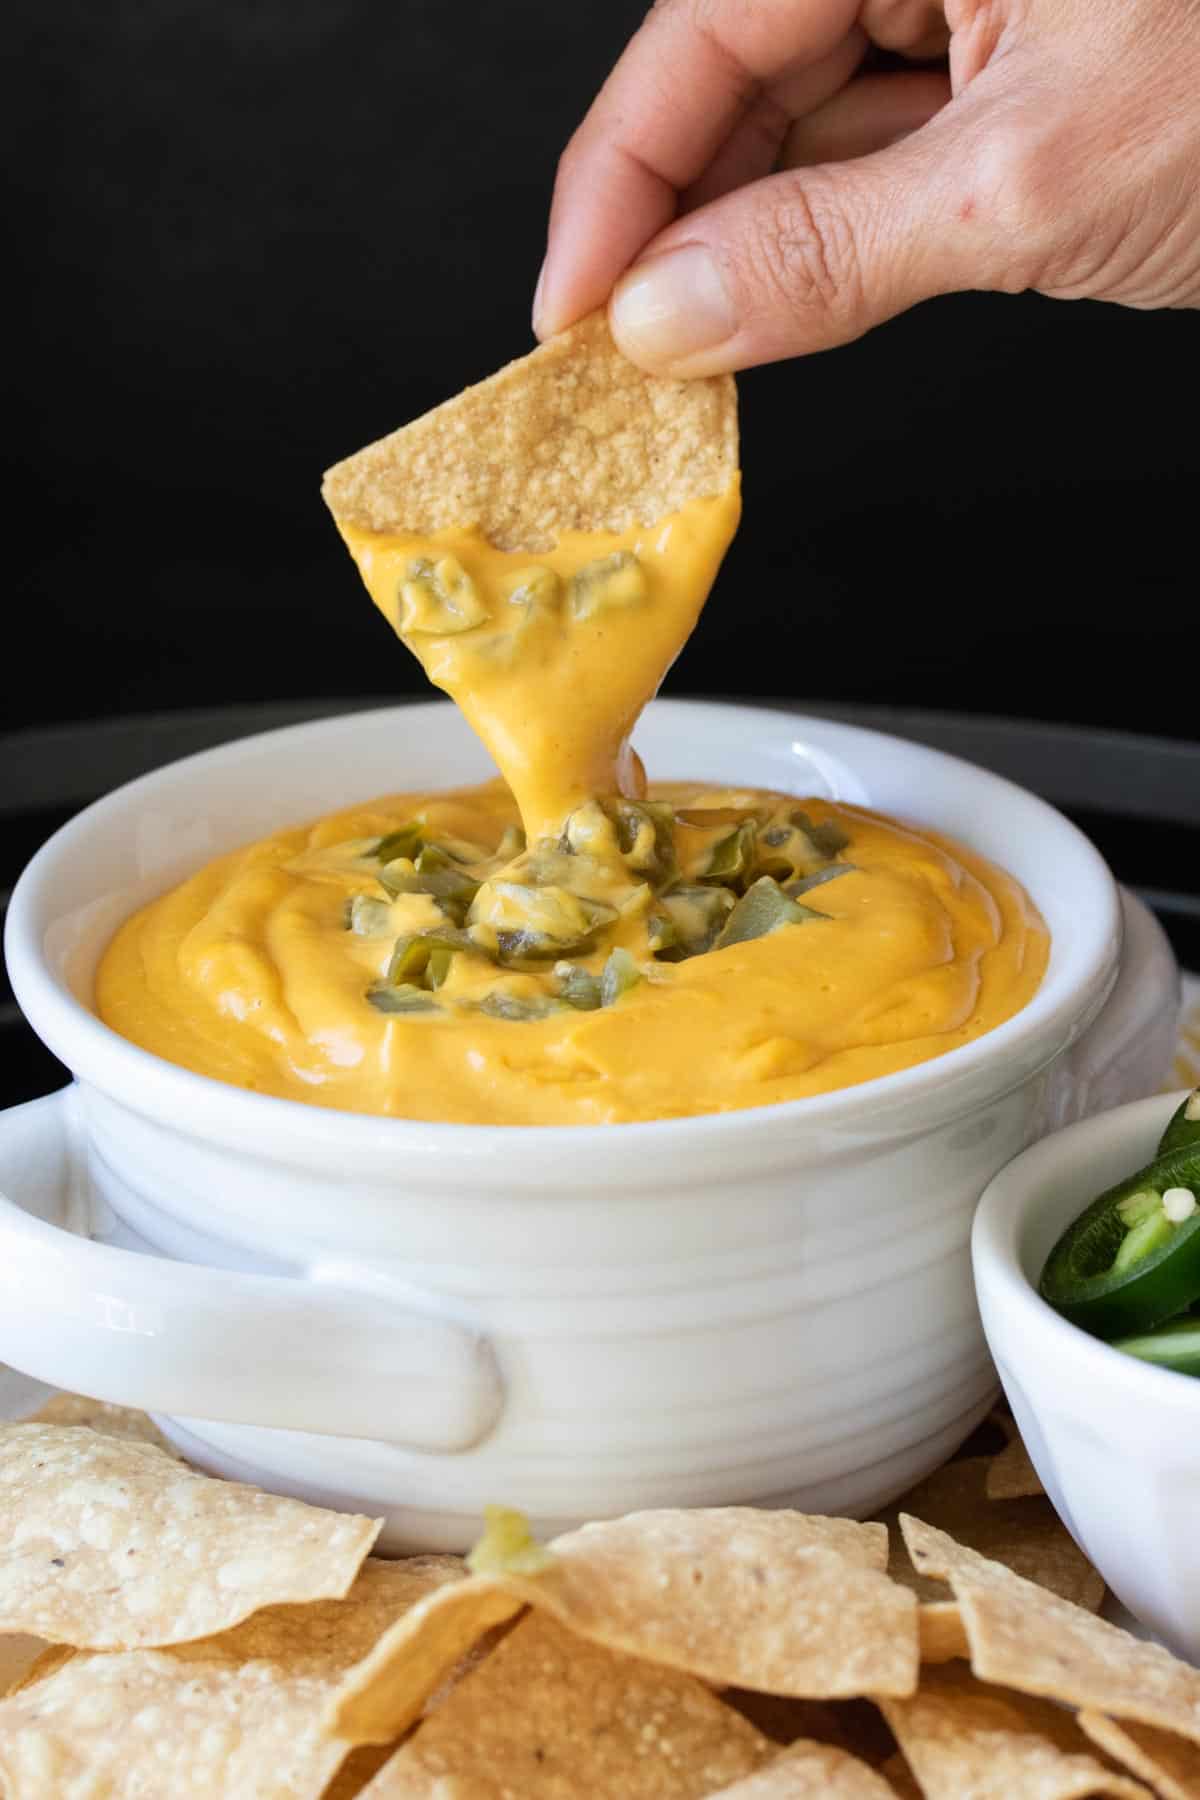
(248, 973)
(564, 946)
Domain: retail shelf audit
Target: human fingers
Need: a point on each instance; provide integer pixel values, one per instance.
(811, 257)
(868, 114)
(686, 78)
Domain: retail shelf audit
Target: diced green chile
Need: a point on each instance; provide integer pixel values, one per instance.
(536, 587)
(403, 999)
(368, 917)
(817, 879)
(578, 987)
(697, 915)
(1184, 1126)
(519, 1006)
(661, 932)
(438, 597)
(413, 953)
(645, 838)
(406, 841)
(1087, 1280)
(764, 908)
(732, 858)
(448, 884)
(616, 580)
(621, 974)
(829, 839)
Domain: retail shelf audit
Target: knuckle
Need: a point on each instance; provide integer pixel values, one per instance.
(809, 257)
(1022, 172)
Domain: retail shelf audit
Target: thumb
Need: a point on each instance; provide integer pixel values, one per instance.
(806, 259)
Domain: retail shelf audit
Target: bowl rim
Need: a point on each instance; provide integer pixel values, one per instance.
(996, 1233)
(152, 1085)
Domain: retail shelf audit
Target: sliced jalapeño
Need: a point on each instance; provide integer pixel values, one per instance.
(1132, 1259)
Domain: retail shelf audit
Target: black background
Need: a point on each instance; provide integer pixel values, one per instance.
(247, 236)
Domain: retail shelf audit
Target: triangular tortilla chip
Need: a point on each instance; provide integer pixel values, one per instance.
(1023, 1637)
(774, 1600)
(1011, 1475)
(232, 1715)
(1025, 1535)
(811, 1771)
(110, 1543)
(546, 1716)
(572, 437)
(962, 1739)
(108, 1420)
(1170, 1764)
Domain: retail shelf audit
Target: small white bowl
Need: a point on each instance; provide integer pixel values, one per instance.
(1115, 1441)
(414, 1318)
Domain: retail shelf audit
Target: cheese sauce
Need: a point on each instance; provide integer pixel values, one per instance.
(564, 947)
(248, 973)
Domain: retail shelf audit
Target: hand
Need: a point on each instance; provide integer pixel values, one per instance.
(810, 202)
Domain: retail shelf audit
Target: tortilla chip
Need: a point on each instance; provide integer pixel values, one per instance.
(570, 438)
(940, 1629)
(549, 1717)
(1011, 1475)
(108, 1543)
(900, 1778)
(357, 1770)
(811, 1771)
(776, 1601)
(233, 1715)
(1025, 1535)
(109, 1421)
(962, 1739)
(1170, 1764)
(772, 1600)
(1026, 1638)
(17, 1656)
(851, 1725)
(388, 1691)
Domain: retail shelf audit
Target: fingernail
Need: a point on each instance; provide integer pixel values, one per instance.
(537, 301)
(672, 307)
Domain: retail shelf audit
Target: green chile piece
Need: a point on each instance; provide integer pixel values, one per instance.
(610, 581)
(696, 914)
(645, 838)
(519, 1007)
(403, 999)
(413, 953)
(620, 974)
(762, 909)
(368, 917)
(818, 879)
(406, 840)
(732, 858)
(536, 588)
(829, 839)
(449, 885)
(661, 932)
(438, 598)
(578, 987)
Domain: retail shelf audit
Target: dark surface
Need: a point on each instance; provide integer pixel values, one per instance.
(245, 236)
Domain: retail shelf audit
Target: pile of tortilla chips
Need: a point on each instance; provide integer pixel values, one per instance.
(181, 1636)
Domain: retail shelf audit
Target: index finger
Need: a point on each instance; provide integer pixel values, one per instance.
(684, 80)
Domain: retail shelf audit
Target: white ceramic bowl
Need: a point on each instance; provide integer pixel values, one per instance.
(1115, 1441)
(416, 1319)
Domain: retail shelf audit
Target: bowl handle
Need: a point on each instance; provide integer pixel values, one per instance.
(318, 1354)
